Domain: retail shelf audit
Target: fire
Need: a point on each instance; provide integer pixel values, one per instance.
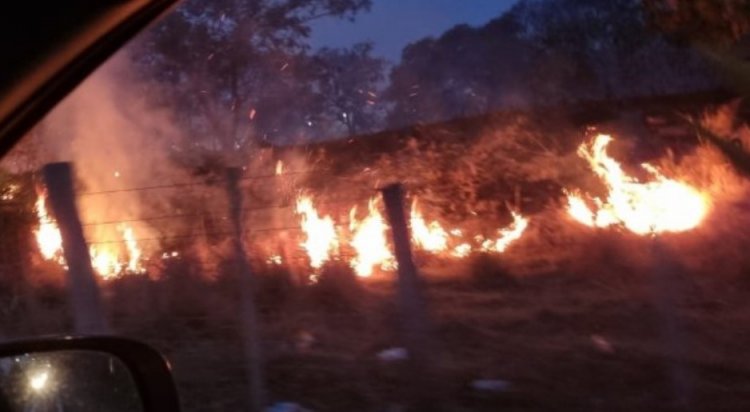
(429, 237)
(507, 235)
(48, 235)
(107, 262)
(111, 261)
(661, 205)
(104, 262)
(579, 211)
(462, 250)
(274, 260)
(134, 252)
(279, 168)
(369, 241)
(320, 232)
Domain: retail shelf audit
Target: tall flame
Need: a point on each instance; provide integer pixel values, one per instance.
(108, 262)
(429, 237)
(369, 241)
(104, 262)
(661, 205)
(320, 233)
(134, 252)
(48, 235)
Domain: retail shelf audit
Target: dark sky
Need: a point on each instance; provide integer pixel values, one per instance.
(392, 24)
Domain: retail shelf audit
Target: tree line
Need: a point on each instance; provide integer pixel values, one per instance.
(238, 73)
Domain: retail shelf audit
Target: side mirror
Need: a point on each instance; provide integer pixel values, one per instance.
(96, 374)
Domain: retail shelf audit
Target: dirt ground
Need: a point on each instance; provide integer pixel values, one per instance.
(568, 319)
(618, 338)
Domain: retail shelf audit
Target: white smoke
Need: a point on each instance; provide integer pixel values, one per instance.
(117, 139)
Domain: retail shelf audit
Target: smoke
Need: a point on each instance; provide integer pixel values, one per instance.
(117, 139)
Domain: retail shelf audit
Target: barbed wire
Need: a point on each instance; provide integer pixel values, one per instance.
(220, 215)
(318, 205)
(208, 182)
(208, 234)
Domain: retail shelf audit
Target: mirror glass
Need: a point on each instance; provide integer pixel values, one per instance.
(67, 381)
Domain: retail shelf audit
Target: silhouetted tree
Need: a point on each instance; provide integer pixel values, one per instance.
(233, 68)
(718, 28)
(705, 21)
(465, 71)
(541, 52)
(348, 81)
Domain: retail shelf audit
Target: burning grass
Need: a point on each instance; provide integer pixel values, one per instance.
(659, 205)
(543, 334)
(561, 303)
(695, 192)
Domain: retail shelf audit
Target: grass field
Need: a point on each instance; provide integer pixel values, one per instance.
(610, 339)
(570, 318)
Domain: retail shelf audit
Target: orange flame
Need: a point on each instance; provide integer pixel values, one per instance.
(507, 235)
(134, 252)
(108, 263)
(429, 237)
(462, 250)
(320, 232)
(111, 261)
(369, 241)
(104, 263)
(48, 236)
(274, 260)
(661, 205)
(279, 168)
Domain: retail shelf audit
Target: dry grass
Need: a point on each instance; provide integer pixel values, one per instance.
(542, 333)
(573, 318)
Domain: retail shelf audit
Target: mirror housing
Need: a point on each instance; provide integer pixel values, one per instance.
(149, 369)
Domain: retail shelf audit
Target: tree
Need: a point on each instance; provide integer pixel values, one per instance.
(607, 50)
(705, 21)
(465, 71)
(348, 82)
(592, 37)
(234, 68)
(715, 27)
(541, 52)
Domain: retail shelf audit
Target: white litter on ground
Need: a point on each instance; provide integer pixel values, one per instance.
(286, 407)
(490, 385)
(393, 354)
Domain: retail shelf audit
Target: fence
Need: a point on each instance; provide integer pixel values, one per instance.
(89, 314)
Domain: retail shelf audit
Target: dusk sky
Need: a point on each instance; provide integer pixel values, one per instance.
(392, 24)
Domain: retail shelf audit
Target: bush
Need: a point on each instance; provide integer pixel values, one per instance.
(337, 288)
(488, 269)
(130, 296)
(274, 285)
(274, 288)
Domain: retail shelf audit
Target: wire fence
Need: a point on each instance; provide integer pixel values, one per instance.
(214, 215)
(215, 182)
(213, 224)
